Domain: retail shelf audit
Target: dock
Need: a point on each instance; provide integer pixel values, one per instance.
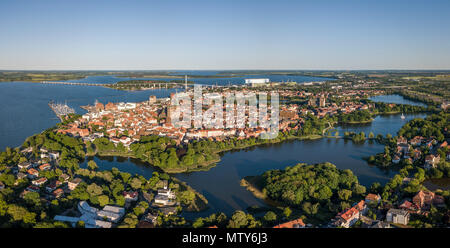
(61, 110)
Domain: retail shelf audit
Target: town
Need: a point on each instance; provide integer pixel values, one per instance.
(49, 175)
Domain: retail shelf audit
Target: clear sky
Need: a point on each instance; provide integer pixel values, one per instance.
(226, 34)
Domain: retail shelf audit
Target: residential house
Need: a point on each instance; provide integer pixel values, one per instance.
(33, 188)
(21, 175)
(24, 165)
(409, 206)
(58, 193)
(150, 218)
(431, 161)
(39, 182)
(45, 166)
(74, 183)
(349, 217)
(53, 185)
(32, 173)
(297, 223)
(168, 210)
(130, 196)
(424, 200)
(396, 159)
(416, 141)
(64, 177)
(402, 141)
(373, 198)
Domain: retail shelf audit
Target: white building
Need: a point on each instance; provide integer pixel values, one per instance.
(397, 216)
(257, 81)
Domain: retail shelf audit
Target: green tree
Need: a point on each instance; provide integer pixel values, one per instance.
(103, 200)
(238, 220)
(92, 165)
(136, 183)
(344, 194)
(287, 212)
(94, 190)
(270, 216)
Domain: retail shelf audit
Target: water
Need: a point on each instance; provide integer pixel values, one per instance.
(24, 107)
(130, 165)
(382, 124)
(24, 112)
(209, 81)
(398, 99)
(226, 195)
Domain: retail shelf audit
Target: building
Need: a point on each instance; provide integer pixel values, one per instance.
(24, 165)
(130, 196)
(350, 216)
(94, 223)
(396, 159)
(45, 167)
(162, 200)
(53, 185)
(54, 155)
(398, 216)
(168, 210)
(147, 221)
(373, 198)
(381, 224)
(32, 173)
(111, 213)
(312, 102)
(254, 82)
(58, 193)
(64, 177)
(322, 101)
(298, 223)
(152, 100)
(95, 218)
(62, 218)
(424, 200)
(39, 182)
(74, 183)
(431, 161)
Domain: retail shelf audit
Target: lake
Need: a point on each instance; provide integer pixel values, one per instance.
(396, 99)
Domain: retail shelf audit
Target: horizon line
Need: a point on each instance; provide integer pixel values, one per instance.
(119, 70)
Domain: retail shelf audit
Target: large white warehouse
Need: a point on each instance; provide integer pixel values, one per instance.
(257, 81)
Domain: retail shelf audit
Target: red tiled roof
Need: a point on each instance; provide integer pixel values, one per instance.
(291, 224)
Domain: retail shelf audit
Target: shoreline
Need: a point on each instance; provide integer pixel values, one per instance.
(250, 183)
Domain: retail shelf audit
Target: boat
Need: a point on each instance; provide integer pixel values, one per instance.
(403, 116)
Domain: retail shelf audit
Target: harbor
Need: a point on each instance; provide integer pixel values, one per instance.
(61, 110)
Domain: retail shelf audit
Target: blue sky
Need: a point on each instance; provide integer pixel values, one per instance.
(224, 34)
